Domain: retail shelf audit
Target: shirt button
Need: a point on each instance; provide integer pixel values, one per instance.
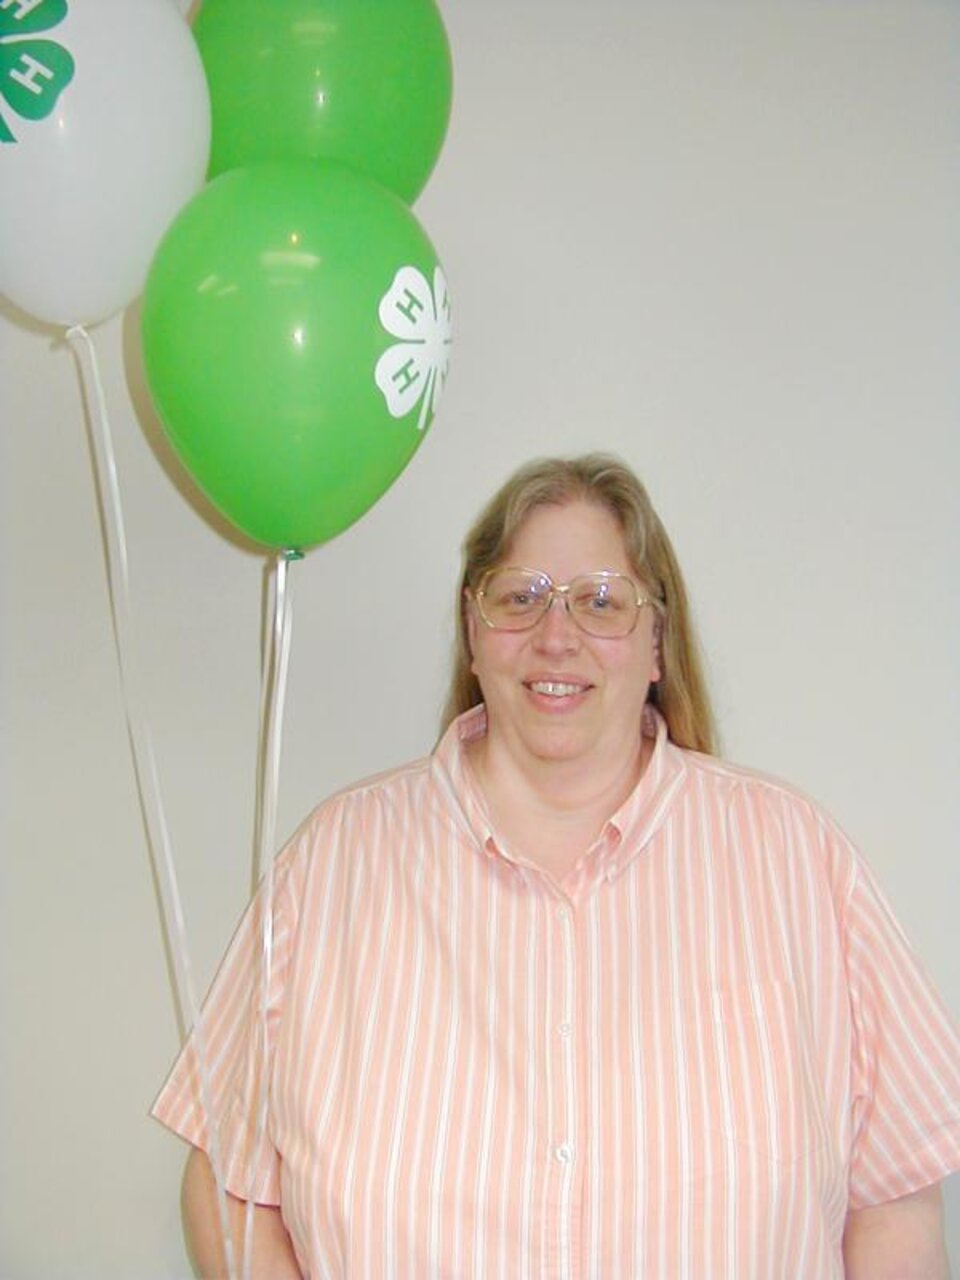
(564, 1030)
(564, 1153)
(612, 870)
(563, 913)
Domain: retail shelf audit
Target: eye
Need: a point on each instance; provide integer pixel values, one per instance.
(598, 599)
(518, 599)
(512, 593)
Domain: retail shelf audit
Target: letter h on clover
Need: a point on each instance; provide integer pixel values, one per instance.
(412, 371)
(33, 71)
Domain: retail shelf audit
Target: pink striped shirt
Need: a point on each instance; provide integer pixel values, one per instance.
(688, 1059)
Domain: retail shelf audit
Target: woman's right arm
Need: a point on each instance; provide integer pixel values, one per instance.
(273, 1256)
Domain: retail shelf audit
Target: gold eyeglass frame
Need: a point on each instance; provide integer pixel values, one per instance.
(561, 590)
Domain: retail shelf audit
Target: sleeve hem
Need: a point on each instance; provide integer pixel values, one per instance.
(236, 1179)
(931, 1166)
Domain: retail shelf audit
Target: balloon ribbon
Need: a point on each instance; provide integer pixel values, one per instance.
(276, 660)
(145, 767)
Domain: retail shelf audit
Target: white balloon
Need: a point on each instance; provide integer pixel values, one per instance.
(87, 191)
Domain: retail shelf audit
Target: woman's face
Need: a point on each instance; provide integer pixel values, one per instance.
(555, 693)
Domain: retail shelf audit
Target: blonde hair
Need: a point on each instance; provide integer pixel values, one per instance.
(680, 694)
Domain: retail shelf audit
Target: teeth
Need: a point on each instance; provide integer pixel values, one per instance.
(554, 689)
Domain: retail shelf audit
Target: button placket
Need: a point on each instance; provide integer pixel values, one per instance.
(565, 1145)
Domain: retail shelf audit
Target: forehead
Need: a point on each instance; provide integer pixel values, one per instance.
(563, 541)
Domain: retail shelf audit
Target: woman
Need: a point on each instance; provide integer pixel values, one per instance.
(572, 997)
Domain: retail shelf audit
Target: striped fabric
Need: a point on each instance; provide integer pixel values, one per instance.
(688, 1060)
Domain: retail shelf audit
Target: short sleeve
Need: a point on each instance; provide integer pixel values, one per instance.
(234, 1056)
(905, 1073)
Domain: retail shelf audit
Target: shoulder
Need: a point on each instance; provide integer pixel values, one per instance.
(723, 779)
(399, 780)
(758, 806)
(397, 790)
(374, 817)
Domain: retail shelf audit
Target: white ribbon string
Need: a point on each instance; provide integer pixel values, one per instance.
(273, 697)
(141, 744)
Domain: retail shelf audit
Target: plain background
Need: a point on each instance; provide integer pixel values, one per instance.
(717, 238)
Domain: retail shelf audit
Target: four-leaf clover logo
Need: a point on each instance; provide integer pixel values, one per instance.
(413, 370)
(33, 72)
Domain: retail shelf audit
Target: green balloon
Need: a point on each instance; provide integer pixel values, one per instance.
(296, 332)
(363, 82)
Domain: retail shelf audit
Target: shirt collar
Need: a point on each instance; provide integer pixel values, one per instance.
(643, 812)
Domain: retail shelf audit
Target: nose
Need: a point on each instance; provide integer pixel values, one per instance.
(556, 631)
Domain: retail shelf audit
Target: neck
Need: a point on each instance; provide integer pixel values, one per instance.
(551, 810)
(560, 786)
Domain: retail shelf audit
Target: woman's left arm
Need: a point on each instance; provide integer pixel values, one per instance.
(899, 1240)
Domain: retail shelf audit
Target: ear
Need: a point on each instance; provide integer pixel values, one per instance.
(656, 665)
(470, 613)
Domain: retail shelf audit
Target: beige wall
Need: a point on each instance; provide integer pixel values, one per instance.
(720, 239)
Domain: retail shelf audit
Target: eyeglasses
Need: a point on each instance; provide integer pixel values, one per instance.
(603, 604)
